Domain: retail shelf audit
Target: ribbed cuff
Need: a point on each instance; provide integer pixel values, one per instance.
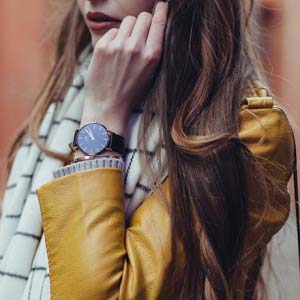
(104, 162)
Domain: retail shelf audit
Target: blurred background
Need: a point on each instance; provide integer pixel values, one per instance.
(25, 58)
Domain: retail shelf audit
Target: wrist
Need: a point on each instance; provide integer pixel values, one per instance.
(114, 121)
(80, 154)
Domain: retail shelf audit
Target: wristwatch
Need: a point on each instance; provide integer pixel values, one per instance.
(93, 138)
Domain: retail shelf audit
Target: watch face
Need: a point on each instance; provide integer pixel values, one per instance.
(92, 138)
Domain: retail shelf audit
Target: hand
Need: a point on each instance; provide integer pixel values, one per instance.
(121, 67)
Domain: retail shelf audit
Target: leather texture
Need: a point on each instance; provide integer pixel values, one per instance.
(94, 256)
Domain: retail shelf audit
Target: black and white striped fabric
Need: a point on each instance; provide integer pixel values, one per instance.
(24, 272)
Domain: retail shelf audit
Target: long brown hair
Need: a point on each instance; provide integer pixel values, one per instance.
(207, 66)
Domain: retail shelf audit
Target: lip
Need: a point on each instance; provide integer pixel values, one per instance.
(101, 26)
(100, 17)
(98, 21)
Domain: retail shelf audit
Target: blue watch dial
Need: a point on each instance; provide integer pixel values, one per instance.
(92, 138)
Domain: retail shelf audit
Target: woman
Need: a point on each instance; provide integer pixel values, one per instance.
(176, 179)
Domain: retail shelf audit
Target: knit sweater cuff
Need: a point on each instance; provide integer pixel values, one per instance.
(103, 162)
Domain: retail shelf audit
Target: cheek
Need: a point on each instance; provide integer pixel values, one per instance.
(147, 4)
(134, 7)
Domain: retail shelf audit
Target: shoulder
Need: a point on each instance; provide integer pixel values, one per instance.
(264, 128)
(266, 131)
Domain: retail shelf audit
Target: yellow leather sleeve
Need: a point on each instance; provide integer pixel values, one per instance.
(91, 254)
(268, 135)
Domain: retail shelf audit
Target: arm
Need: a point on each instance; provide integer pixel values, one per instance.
(91, 254)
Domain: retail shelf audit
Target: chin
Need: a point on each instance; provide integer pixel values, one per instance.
(95, 39)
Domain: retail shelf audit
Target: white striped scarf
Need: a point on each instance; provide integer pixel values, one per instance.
(24, 270)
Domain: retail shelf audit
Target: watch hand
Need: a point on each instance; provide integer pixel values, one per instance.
(89, 133)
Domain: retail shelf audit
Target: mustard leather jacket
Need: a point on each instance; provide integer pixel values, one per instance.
(94, 256)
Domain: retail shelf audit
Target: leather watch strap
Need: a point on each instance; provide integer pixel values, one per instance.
(117, 142)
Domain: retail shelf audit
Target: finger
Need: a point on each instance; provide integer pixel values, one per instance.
(126, 28)
(141, 28)
(108, 36)
(158, 24)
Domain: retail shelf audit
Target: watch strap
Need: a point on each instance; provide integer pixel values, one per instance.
(117, 143)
